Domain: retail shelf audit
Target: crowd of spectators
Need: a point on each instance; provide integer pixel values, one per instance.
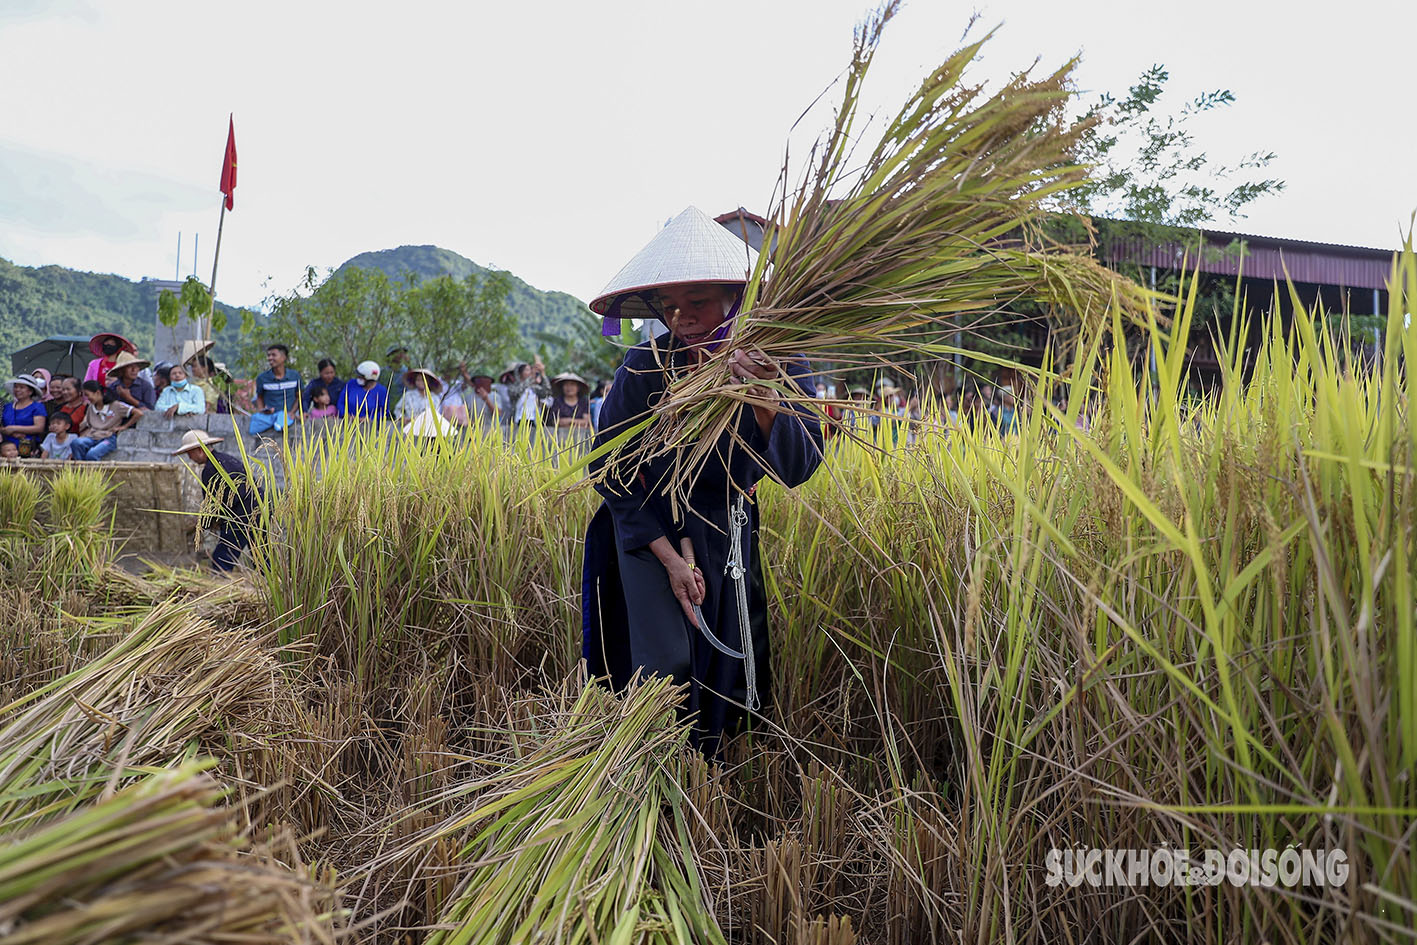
(858, 409)
(420, 400)
(82, 418)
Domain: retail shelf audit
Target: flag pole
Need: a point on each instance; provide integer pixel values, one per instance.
(211, 287)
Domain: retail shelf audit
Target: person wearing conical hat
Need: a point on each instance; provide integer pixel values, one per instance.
(233, 491)
(662, 580)
(105, 346)
(570, 408)
(126, 381)
(423, 392)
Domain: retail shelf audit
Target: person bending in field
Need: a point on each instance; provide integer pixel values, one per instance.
(229, 485)
(662, 582)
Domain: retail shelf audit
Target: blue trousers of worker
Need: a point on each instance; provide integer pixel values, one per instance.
(231, 542)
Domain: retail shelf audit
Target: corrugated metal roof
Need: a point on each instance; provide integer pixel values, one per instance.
(1266, 257)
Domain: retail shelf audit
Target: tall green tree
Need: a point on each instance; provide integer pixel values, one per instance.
(582, 348)
(1154, 182)
(451, 321)
(357, 314)
(1148, 167)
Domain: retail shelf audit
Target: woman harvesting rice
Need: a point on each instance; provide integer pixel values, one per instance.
(675, 588)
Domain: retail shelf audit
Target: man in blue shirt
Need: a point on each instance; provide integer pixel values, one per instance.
(277, 393)
(363, 397)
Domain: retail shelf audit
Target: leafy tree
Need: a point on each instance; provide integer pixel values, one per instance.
(357, 314)
(451, 321)
(1149, 168)
(194, 298)
(1153, 183)
(581, 348)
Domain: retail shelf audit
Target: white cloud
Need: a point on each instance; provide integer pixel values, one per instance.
(552, 139)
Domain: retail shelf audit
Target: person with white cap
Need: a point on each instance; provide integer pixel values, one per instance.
(675, 588)
(363, 397)
(230, 486)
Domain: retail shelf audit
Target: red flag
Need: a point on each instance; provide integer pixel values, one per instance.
(228, 166)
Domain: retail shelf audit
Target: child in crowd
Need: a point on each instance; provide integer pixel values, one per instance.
(9, 450)
(104, 419)
(59, 444)
(320, 405)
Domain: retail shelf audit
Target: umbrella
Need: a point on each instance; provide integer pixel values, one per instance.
(60, 354)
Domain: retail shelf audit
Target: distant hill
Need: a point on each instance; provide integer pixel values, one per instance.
(535, 310)
(37, 302)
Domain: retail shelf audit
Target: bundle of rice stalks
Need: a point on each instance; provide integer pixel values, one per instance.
(19, 501)
(580, 833)
(159, 860)
(168, 680)
(76, 497)
(892, 253)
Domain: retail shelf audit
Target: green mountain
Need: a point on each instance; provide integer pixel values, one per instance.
(39, 302)
(537, 312)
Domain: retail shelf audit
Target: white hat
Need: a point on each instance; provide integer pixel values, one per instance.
(191, 348)
(29, 380)
(193, 439)
(126, 359)
(430, 424)
(369, 370)
(690, 249)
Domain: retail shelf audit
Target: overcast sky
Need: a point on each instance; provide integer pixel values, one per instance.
(553, 139)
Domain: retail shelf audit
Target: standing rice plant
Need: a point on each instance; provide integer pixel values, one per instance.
(1188, 627)
(79, 539)
(398, 557)
(76, 499)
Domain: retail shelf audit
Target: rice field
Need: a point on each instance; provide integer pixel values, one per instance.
(1188, 627)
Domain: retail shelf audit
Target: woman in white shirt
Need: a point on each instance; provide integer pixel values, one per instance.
(422, 392)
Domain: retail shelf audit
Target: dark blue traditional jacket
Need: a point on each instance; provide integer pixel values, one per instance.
(637, 510)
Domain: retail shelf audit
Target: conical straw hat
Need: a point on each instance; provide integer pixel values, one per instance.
(691, 249)
(570, 377)
(124, 359)
(191, 348)
(96, 343)
(193, 439)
